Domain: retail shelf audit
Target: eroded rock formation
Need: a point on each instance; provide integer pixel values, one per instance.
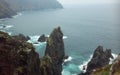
(55, 50)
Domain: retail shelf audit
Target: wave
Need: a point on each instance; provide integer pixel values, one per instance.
(68, 59)
(85, 64)
(6, 26)
(64, 37)
(114, 56)
(18, 14)
(34, 39)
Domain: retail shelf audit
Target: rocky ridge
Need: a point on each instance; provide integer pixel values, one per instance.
(18, 57)
(99, 59)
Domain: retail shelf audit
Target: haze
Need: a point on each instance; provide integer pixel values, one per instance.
(87, 1)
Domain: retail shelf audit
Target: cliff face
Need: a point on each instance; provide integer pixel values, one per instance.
(112, 69)
(8, 8)
(100, 59)
(55, 50)
(5, 10)
(17, 57)
(22, 5)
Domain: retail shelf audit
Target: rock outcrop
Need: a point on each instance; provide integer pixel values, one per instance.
(22, 37)
(17, 57)
(42, 38)
(55, 50)
(111, 69)
(115, 66)
(100, 59)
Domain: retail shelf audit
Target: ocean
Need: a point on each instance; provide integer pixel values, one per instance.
(84, 26)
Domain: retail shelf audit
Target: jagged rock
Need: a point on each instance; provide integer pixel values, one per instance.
(100, 58)
(22, 37)
(55, 50)
(42, 38)
(17, 57)
(115, 66)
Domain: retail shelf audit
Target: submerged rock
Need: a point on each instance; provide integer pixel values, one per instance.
(55, 50)
(42, 38)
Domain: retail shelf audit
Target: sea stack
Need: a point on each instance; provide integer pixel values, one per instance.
(55, 50)
(100, 59)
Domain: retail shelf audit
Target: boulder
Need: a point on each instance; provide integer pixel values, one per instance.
(42, 38)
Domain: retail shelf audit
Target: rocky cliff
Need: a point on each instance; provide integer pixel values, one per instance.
(8, 8)
(55, 50)
(112, 69)
(5, 10)
(100, 59)
(18, 57)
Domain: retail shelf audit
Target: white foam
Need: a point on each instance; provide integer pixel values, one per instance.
(18, 14)
(114, 56)
(64, 37)
(6, 26)
(69, 59)
(9, 33)
(85, 64)
(34, 39)
(9, 26)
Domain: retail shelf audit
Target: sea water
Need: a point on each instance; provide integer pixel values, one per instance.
(84, 27)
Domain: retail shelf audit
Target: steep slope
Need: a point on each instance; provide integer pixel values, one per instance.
(5, 10)
(113, 69)
(17, 57)
(9, 8)
(55, 50)
(20, 5)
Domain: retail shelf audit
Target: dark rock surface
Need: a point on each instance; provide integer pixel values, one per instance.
(17, 57)
(55, 50)
(115, 68)
(22, 37)
(100, 58)
(42, 38)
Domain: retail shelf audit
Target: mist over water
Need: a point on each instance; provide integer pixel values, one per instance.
(86, 27)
